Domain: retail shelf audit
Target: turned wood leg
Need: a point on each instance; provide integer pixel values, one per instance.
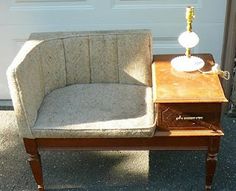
(211, 160)
(35, 162)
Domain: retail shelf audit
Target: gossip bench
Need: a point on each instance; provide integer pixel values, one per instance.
(92, 91)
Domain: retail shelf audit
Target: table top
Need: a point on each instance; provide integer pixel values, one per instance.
(170, 86)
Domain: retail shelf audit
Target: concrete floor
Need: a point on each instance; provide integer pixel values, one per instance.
(116, 170)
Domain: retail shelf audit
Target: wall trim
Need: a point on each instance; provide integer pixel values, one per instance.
(229, 48)
(49, 5)
(153, 4)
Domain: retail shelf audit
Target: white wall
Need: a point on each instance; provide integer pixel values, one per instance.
(166, 19)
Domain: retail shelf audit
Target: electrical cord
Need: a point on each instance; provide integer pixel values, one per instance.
(217, 70)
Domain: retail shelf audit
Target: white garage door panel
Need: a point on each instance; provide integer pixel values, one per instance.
(166, 19)
(91, 10)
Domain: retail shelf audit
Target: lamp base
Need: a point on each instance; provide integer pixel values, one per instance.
(185, 64)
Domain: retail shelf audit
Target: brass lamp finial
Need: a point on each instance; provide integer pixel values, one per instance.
(190, 15)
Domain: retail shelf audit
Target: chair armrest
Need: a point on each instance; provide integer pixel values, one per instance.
(154, 82)
(26, 86)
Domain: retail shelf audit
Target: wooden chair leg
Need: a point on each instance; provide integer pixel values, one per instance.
(211, 160)
(35, 162)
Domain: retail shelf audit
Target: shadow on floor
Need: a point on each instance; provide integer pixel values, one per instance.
(117, 170)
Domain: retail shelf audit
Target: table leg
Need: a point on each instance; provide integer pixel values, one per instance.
(35, 162)
(211, 160)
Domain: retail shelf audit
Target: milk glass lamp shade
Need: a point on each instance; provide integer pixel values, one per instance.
(188, 39)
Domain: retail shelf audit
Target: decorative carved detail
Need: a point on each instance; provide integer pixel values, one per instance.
(40, 188)
(207, 188)
(211, 157)
(175, 116)
(211, 160)
(35, 157)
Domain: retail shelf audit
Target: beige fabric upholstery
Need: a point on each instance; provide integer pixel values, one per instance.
(97, 57)
(96, 110)
(53, 64)
(104, 65)
(26, 86)
(77, 60)
(134, 59)
(49, 61)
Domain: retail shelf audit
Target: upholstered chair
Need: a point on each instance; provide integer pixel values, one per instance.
(82, 90)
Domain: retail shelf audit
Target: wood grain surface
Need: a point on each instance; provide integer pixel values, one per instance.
(185, 87)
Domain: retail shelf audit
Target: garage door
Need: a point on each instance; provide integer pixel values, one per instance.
(166, 19)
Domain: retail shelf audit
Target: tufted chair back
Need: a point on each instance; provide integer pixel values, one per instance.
(99, 57)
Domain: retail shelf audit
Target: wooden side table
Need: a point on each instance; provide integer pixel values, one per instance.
(189, 109)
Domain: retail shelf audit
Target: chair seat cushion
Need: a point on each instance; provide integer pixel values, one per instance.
(96, 110)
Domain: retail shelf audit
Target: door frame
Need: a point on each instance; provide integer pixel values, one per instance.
(229, 49)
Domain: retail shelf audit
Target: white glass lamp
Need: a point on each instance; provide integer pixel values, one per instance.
(188, 40)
